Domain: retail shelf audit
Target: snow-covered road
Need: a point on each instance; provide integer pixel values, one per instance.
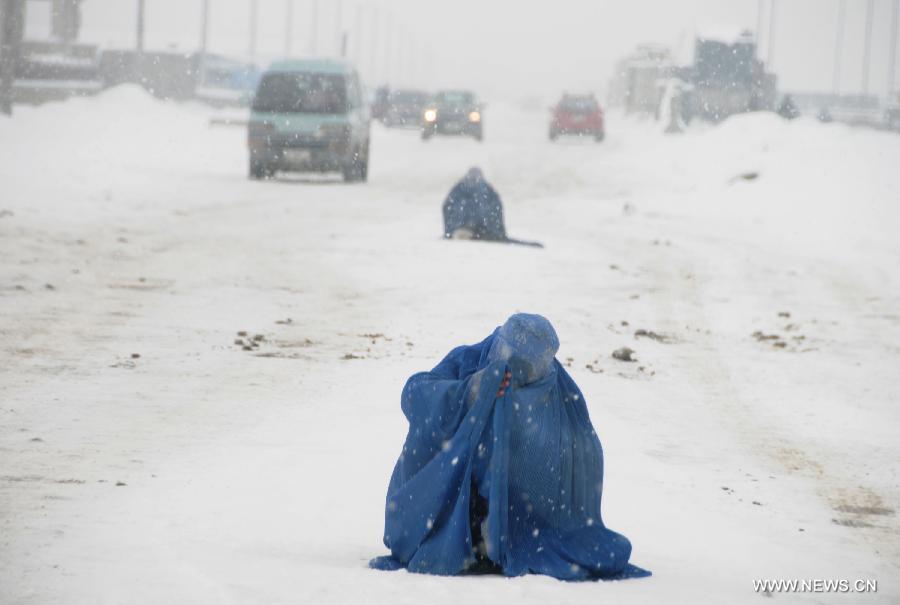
(147, 458)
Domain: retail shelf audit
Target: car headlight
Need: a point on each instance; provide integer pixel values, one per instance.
(430, 115)
(475, 116)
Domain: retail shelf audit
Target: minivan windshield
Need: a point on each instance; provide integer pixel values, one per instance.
(301, 93)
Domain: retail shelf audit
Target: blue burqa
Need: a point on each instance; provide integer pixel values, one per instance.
(509, 477)
(474, 206)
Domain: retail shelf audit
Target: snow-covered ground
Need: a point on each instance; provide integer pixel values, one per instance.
(199, 472)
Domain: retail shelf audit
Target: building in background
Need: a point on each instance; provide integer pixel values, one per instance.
(640, 79)
(727, 78)
(58, 66)
(721, 77)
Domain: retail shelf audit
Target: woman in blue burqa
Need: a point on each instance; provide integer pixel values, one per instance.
(501, 470)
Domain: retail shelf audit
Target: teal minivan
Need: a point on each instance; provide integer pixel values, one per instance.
(309, 116)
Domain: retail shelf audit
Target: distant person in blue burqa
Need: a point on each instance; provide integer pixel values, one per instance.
(473, 210)
(501, 471)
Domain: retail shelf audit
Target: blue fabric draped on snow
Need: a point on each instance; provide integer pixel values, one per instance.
(532, 454)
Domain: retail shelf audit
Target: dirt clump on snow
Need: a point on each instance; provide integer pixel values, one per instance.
(744, 176)
(642, 333)
(624, 354)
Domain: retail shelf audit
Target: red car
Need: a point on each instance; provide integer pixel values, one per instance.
(579, 115)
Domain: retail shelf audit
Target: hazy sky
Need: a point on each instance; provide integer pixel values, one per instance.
(506, 47)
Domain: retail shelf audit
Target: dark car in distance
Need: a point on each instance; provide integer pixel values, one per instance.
(578, 115)
(405, 108)
(453, 112)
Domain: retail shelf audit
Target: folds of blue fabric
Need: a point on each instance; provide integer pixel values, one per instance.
(427, 516)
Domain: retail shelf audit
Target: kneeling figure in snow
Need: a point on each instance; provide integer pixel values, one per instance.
(501, 470)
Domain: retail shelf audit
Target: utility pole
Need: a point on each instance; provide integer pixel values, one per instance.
(398, 54)
(892, 50)
(65, 20)
(839, 47)
(288, 27)
(314, 28)
(204, 42)
(373, 45)
(388, 46)
(140, 27)
(204, 27)
(254, 19)
(400, 37)
(415, 61)
(759, 26)
(867, 49)
(770, 57)
(357, 36)
(12, 25)
(339, 25)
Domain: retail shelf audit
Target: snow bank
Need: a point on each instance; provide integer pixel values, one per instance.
(84, 151)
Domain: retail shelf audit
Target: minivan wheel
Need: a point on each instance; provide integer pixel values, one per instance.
(600, 136)
(357, 169)
(364, 164)
(364, 169)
